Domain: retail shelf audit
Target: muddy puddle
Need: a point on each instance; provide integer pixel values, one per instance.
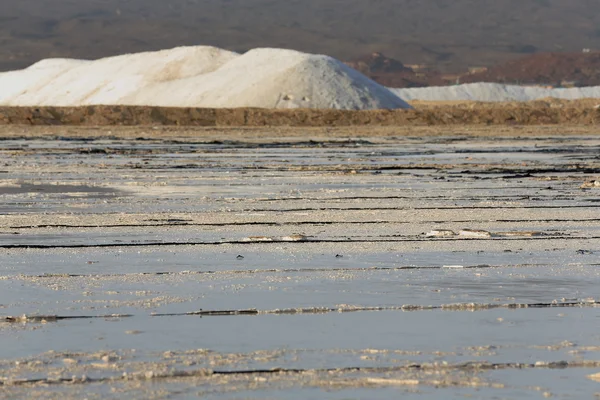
(232, 266)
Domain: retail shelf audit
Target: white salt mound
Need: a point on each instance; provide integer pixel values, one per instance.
(275, 78)
(198, 77)
(493, 92)
(106, 81)
(30, 80)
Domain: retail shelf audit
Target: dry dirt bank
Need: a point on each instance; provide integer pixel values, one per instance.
(289, 133)
(427, 114)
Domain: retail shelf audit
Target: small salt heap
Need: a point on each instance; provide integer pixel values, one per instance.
(494, 92)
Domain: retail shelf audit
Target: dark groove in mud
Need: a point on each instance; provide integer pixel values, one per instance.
(473, 198)
(266, 242)
(405, 307)
(577, 169)
(447, 169)
(208, 373)
(55, 318)
(271, 270)
(294, 223)
(311, 310)
(549, 207)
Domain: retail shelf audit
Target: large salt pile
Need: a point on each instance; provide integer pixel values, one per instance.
(198, 77)
(494, 92)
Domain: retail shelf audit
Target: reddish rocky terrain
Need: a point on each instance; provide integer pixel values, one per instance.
(547, 69)
(553, 69)
(392, 73)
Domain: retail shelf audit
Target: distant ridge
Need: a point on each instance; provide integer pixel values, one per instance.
(448, 35)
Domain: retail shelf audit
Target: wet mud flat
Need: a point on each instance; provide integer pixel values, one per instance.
(163, 262)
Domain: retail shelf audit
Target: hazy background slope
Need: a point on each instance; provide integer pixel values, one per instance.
(452, 34)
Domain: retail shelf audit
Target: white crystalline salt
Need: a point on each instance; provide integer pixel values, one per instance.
(494, 92)
(198, 76)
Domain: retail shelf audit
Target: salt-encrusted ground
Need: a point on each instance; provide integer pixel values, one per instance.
(355, 262)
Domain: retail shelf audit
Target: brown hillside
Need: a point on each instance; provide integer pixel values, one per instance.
(449, 35)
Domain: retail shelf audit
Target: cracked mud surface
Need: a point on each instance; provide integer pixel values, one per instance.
(299, 263)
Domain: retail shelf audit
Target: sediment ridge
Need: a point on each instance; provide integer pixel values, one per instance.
(533, 113)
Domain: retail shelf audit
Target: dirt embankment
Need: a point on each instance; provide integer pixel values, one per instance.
(534, 113)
